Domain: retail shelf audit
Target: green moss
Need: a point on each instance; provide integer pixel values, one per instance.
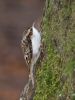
(54, 78)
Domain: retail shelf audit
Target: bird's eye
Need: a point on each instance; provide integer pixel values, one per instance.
(26, 57)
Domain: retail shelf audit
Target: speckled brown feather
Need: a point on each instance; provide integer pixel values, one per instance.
(26, 45)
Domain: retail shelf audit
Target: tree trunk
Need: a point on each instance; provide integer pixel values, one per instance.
(55, 79)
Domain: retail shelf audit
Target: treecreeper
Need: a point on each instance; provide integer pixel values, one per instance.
(31, 47)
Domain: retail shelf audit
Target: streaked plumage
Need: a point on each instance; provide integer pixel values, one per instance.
(27, 47)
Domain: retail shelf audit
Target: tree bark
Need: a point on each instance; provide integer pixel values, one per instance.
(55, 80)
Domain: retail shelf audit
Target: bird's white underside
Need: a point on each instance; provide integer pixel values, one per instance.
(36, 40)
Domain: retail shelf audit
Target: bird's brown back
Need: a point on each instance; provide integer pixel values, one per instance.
(27, 48)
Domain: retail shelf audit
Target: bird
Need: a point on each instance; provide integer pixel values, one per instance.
(31, 46)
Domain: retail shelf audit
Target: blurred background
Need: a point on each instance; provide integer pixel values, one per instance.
(15, 17)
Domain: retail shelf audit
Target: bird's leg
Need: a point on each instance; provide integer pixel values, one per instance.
(32, 69)
(31, 75)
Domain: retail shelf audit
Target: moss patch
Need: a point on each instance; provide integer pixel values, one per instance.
(54, 80)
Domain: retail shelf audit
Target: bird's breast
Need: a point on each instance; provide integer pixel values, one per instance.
(36, 41)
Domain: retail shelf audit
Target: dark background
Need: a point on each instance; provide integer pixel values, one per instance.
(15, 17)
